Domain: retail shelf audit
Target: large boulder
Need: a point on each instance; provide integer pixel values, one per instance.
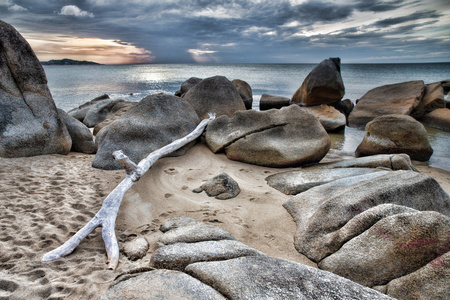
(185, 86)
(322, 85)
(321, 211)
(154, 122)
(268, 102)
(399, 98)
(395, 134)
(439, 119)
(80, 112)
(275, 138)
(394, 246)
(29, 122)
(245, 91)
(432, 99)
(330, 118)
(264, 277)
(214, 95)
(82, 138)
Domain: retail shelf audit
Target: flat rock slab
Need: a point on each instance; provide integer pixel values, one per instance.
(330, 118)
(178, 256)
(322, 210)
(295, 182)
(193, 233)
(274, 278)
(399, 98)
(389, 161)
(163, 285)
(439, 119)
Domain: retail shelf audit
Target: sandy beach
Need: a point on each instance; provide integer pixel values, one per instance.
(46, 199)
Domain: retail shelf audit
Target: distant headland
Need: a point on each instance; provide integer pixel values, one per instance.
(67, 61)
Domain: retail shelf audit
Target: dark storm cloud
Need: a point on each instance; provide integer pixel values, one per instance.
(429, 14)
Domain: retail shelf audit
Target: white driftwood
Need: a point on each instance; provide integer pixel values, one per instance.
(106, 216)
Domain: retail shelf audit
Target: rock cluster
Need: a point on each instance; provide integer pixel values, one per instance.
(201, 262)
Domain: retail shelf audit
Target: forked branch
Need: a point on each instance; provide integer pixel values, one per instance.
(106, 216)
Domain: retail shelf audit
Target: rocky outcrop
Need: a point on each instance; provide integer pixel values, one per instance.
(154, 122)
(275, 138)
(221, 187)
(116, 112)
(432, 99)
(214, 95)
(80, 112)
(185, 86)
(268, 102)
(82, 139)
(330, 118)
(439, 119)
(29, 122)
(245, 91)
(399, 98)
(322, 85)
(103, 110)
(395, 134)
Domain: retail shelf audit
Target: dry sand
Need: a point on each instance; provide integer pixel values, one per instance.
(44, 200)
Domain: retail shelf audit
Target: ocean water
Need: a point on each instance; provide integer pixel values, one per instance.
(75, 85)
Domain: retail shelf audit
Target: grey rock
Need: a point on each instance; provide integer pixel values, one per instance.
(154, 122)
(274, 138)
(214, 95)
(178, 256)
(163, 285)
(178, 222)
(221, 187)
(102, 110)
(399, 98)
(295, 182)
(245, 91)
(82, 138)
(79, 112)
(136, 248)
(393, 247)
(395, 134)
(390, 161)
(322, 210)
(29, 122)
(269, 101)
(185, 86)
(117, 111)
(274, 278)
(330, 118)
(196, 232)
(322, 85)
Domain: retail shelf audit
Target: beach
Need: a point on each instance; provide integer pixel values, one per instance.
(46, 199)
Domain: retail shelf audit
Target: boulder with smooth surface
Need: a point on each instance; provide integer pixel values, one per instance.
(29, 122)
(330, 118)
(214, 95)
(79, 112)
(433, 98)
(439, 119)
(274, 138)
(323, 84)
(268, 102)
(185, 86)
(154, 122)
(82, 138)
(245, 91)
(395, 134)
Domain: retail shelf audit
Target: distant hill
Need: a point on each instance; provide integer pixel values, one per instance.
(67, 61)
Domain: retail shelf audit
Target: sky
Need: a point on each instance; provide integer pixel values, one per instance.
(234, 31)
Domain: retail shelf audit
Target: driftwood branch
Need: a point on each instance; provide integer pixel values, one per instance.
(106, 216)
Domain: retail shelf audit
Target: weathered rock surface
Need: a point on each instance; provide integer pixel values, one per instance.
(29, 122)
(82, 139)
(221, 187)
(393, 247)
(154, 122)
(275, 138)
(275, 278)
(330, 118)
(390, 161)
(80, 112)
(322, 210)
(136, 248)
(268, 102)
(102, 110)
(116, 112)
(395, 134)
(245, 91)
(399, 98)
(178, 222)
(322, 85)
(295, 182)
(429, 282)
(161, 284)
(439, 119)
(185, 86)
(214, 95)
(432, 99)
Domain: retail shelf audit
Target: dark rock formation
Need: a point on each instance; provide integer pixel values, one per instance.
(432, 99)
(185, 86)
(80, 112)
(82, 139)
(245, 91)
(268, 102)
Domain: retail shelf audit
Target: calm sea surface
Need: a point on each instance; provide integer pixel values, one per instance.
(74, 85)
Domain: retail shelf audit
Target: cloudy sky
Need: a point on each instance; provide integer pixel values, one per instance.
(234, 31)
